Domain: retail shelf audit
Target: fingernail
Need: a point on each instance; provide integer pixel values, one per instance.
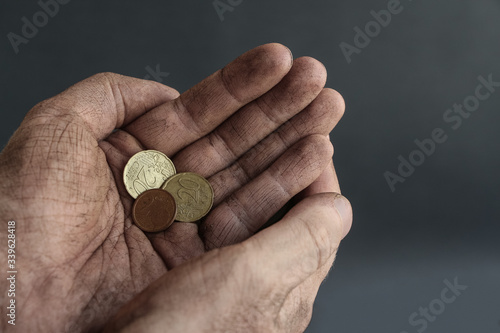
(344, 209)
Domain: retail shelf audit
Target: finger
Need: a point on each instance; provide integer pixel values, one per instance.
(301, 243)
(202, 108)
(256, 120)
(178, 244)
(181, 242)
(104, 102)
(246, 210)
(319, 117)
(299, 302)
(292, 249)
(326, 182)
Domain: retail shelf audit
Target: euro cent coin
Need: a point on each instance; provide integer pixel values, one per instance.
(147, 170)
(192, 193)
(154, 210)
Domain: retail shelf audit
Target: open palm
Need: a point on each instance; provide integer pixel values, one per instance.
(257, 130)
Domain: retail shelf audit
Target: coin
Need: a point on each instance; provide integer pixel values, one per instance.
(154, 210)
(147, 170)
(192, 193)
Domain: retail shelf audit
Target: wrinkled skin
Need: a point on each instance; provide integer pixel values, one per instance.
(257, 130)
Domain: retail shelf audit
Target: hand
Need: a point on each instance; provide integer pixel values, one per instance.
(256, 129)
(267, 283)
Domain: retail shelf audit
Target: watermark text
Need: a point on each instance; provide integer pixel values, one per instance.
(11, 272)
(421, 319)
(155, 74)
(29, 28)
(454, 118)
(223, 6)
(363, 37)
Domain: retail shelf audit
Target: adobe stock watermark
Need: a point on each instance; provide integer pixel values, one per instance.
(373, 28)
(223, 6)
(155, 74)
(421, 319)
(11, 272)
(454, 117)
(29, 28)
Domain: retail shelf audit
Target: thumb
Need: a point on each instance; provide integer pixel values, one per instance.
(105, 101)
(302, 242)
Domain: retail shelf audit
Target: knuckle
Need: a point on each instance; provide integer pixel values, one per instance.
(323, 234)
(321, 246)
(105, 76)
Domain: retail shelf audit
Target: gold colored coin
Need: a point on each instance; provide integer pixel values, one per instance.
(193, 195)
(147, 170)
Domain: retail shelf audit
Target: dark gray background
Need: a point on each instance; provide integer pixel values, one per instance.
(441, 223)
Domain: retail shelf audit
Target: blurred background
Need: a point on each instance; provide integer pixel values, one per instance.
(399, 65)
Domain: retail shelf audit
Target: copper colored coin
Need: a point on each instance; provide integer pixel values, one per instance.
(154, 210)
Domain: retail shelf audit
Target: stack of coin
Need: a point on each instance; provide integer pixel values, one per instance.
(162, 195)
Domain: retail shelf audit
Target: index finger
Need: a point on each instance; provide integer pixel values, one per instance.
(201, 109)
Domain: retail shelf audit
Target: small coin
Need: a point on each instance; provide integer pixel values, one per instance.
(147, 170)
(192, 193)
(154, 210)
